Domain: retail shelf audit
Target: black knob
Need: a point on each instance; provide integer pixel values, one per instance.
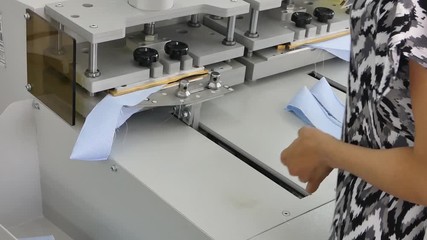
(176, 49)
(301, 19)
(323, 14)
(145, 56)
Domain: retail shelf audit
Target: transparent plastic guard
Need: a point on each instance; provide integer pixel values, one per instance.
(51, 66)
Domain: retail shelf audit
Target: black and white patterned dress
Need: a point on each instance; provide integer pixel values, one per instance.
(385, 35)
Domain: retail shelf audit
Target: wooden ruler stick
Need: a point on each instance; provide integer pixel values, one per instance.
(119, 92)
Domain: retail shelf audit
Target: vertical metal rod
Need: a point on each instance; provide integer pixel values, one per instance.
(92, 70)
(59, 43)
(150, 28)
(231, 26)
(195, 18)
(252, 33)
(194, 21)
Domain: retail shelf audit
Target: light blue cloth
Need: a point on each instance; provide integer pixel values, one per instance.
(324, 94)
(319, 107)
(97, 135)
(339, 47)
(50, 237)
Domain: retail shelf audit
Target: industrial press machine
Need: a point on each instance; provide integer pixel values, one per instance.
(202, 160)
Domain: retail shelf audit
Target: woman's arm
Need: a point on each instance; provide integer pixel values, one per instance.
(401, 172)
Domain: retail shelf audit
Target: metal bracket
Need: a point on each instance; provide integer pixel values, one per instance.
(186, 108)
(190, 115)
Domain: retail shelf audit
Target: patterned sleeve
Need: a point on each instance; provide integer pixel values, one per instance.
(415, 31)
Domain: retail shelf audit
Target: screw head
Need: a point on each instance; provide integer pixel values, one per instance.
(36, 105)
(114, 168)
(93, 26)
(301, 19)
(27, 16)
(286, 213)
(186, 114)
(145, 56)
(176, 49)
(28, 87)
(323, 14)
(59, 5)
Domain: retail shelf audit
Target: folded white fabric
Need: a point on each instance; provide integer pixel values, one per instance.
(50, 237)
(96, 137)
(319, 107)
(339, 47)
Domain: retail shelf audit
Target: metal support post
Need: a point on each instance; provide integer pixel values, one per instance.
(149, 33)
(252, 33)
(231, 26)
(249, 53)
(194, 21)
(92, 70)
(149, 28)
(59, 40)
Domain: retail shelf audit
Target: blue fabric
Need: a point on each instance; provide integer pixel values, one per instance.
(319, 107)
(50, 237)
(339, 47)
(97, 135)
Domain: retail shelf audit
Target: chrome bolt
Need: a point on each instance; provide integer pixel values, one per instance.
(186, 114)
(36, 105)
(28, 87)
(183, 91)
(27, 16)
(214, 83)
(114, 168)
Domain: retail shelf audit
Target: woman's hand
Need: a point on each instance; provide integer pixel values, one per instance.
(306, 158)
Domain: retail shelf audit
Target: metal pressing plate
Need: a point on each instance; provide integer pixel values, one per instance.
(101, 20)
(116, 65)
(270, 61)
(273, 30)
(205, 44)
(262, 5)
(254, 122)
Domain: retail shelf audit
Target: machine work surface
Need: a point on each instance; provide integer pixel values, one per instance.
(5, 235)
(216, 191)
(253, 121)
(319, 221)
(38, 227)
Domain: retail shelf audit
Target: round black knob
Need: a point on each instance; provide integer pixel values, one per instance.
(176, 49)
(323, 14)
(301, 19)
(145, 56)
